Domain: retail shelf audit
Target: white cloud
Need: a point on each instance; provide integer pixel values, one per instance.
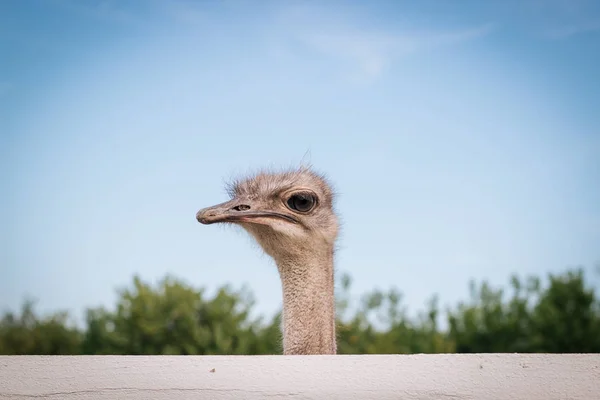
(345, 34)
(371, 53)
(340, 33)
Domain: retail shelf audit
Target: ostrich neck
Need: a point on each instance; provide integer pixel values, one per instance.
(308, 304)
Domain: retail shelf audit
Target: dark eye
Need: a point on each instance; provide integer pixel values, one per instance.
(302, 202)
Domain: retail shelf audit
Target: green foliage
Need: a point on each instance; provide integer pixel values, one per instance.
(173, 317)
(398, 334)
(28, 334)
(563, 318)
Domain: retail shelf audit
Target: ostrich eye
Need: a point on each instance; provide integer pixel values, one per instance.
(302, 202)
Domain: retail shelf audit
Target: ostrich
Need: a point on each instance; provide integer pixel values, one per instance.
(291, 216)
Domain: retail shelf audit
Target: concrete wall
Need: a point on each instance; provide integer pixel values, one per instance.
(423, 377)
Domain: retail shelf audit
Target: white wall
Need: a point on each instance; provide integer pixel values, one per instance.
(424, 377)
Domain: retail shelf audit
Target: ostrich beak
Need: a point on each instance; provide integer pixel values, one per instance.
(239, 210)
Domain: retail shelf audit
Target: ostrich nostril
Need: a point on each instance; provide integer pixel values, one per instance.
(241, 207)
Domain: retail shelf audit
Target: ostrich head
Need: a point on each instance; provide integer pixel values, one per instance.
(289, 214)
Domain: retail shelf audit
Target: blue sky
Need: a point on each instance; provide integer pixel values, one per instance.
(462, 136)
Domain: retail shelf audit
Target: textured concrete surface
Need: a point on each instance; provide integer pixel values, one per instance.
(474, 376)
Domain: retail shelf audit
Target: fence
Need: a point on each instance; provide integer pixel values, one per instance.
(410, 377)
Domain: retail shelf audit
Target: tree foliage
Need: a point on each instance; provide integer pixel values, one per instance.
(563, 318)
(173, 317)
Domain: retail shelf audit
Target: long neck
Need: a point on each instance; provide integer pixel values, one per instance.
(308, 304)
